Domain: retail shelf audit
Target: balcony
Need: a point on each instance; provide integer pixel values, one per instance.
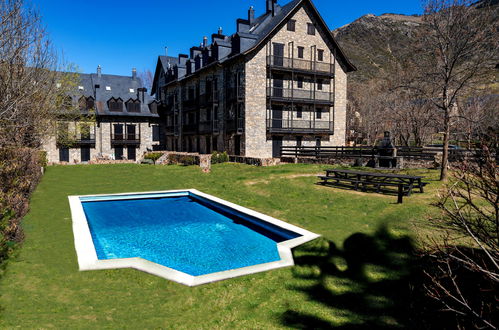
(300, 65)
(190, 128)
(125, 139)
(76, 140)
(299, 96)
(191, 104)
(209, 98)
(299, 126)
(235, 94)
(235, 125)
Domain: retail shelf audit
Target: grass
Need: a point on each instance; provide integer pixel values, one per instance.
(347, 277)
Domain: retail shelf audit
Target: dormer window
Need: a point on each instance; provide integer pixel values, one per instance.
(115, 105)
(133, 106)
(292, 25)
(153, 107)
(132, 90)
(86, 103)
(311, 29)
(108, 88)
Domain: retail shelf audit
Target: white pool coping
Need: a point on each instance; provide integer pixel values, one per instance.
(87, 255)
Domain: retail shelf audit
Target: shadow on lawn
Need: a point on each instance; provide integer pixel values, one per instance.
(367, 282)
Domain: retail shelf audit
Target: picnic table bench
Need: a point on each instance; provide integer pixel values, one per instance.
(404, 183)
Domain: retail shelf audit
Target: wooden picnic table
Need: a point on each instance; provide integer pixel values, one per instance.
(404, 183)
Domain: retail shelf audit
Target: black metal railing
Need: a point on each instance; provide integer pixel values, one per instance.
(300, 64)
(235, 93)
(209, 98)
(206, 126)
(125, 138)
(75, 139)
(190, 128)
(299, 126)
(299, 94)
(235, 125)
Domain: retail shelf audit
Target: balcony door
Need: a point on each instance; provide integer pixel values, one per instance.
(276, 116)
(278, 86)
(118, 131)
(276, 146)
(278, 54)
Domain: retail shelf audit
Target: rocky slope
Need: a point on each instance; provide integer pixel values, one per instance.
(374, 43)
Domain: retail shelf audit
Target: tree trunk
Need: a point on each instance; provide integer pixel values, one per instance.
(445, 154)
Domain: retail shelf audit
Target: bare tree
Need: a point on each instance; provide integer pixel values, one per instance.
(465, 275)
(29, 80)
(457, 48)
(147, 79)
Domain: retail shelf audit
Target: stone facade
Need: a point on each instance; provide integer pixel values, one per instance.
(101, 146)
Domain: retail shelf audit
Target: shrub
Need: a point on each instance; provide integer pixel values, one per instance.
(219, 157)
(183, 159)
(19, 175)
(154, 156)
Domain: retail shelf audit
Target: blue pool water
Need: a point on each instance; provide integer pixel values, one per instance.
(187, 233)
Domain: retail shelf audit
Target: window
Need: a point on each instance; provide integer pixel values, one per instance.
(115, 105)
(132, 90)
(64, 154)
(320, 55)
(118, 153)
(311, 29)
(319, 84)
(108, 88)
(300, 51)
(85, 154)
(299, 140)
(318, 113)
(318, 141)
(90, 103)
(155, 133)
(300, 82)
(299, 112)
(133, 106)
(292, 25)
(153, 107)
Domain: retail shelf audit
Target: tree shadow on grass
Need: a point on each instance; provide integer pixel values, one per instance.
(368, 282)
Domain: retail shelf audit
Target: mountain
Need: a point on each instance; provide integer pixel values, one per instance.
(374, 43)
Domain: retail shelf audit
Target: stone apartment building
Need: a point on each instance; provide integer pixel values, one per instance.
(280, 80)
(125, 121)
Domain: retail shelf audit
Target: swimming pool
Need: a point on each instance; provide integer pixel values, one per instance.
(185, 236)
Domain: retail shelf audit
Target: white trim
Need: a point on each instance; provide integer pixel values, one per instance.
(87, 256)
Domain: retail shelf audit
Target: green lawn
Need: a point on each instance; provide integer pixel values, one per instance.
(355, 274)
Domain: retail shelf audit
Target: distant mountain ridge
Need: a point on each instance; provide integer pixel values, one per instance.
(373, 42)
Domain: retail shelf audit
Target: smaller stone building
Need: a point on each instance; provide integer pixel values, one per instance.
(119, 121)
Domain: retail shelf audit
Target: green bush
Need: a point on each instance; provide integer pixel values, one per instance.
(182, 159)
(154, 156)
(219, 157)
(42, 158)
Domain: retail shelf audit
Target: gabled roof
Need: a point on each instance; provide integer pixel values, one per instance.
(163, 64)
(267, 25)
(262, 29)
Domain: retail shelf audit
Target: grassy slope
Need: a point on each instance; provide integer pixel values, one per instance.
(43, 288)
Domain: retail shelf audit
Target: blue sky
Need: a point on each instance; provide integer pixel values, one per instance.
(121, 34)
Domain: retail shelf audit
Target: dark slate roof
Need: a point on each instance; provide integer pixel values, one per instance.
(120, 88)
(262, 28)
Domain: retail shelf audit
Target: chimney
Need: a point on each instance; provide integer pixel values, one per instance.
(271, 6)
(220, 31)
(99, 71)
(205, 42)
(251, 15)
(166, 51)
(134, 73)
